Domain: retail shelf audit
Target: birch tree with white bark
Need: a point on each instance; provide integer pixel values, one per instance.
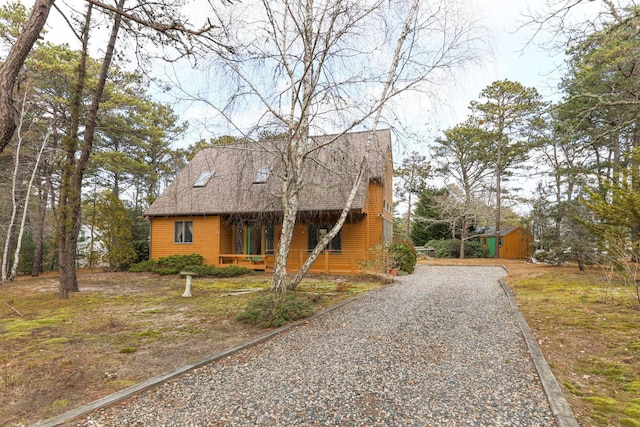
(25, 208)
(9, 270)
(309, 67)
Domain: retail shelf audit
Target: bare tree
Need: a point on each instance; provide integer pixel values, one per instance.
(462, 156)
(564, 20)
(412, 174)
(16, 257)
(319, 67)
(6, 254)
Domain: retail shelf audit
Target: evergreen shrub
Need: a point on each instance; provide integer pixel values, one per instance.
(273, 310)
(174, 264)
(402, 256)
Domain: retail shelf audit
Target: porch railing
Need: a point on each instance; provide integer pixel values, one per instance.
(329, 262)
(256, 262)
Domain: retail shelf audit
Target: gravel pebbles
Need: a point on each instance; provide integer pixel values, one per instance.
(439, 348)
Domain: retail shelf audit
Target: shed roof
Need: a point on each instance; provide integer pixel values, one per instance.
(491, 231)
(230, 178)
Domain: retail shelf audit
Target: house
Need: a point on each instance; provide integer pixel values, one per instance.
(90, 250)
(515, 242)
(226, 204)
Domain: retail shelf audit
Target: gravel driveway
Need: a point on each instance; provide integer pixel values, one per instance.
(439, 348)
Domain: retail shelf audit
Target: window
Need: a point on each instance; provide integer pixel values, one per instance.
(387, 230)
(204, 178)
(269, 239)
(262, 175)
(317, 232)
(183, 232)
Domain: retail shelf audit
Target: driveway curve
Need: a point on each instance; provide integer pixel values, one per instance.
(439, 348)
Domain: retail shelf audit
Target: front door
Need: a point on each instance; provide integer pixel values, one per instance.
(253, 238)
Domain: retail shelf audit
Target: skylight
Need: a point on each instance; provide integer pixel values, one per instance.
(204, 178)
(262, 175)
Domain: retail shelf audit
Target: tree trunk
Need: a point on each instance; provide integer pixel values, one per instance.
(8, 249)
(296, 148)
(69, 218)
(291, 187)
(15, 178)
(496, 253)
(25, 209)
(39, 235)
(463, 235)
(279, 279)
(408, 227)
(11, 67)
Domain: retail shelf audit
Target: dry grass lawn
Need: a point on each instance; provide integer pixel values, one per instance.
(121, 329)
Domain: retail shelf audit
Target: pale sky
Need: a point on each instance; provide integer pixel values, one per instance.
(517, 54)
(513, 59)
(516, 57)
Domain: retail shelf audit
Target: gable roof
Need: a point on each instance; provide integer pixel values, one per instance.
(491, 231)
(247, 177)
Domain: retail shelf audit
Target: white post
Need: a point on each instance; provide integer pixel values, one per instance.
(187, 288)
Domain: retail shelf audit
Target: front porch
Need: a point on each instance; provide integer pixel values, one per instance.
(328, 262)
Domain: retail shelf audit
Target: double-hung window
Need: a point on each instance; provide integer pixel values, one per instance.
(183, 232)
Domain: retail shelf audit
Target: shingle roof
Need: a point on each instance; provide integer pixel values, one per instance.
(329, 174)
(491, 231)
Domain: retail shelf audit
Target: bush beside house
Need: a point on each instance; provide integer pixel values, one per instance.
(174, 264)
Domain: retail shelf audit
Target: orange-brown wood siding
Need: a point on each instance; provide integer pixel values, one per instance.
(374, 212)
(213, 236)
(347, 262)
(516, 244)
(206, 238)
(226, 237)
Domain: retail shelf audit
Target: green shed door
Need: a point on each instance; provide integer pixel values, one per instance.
(491, 241)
